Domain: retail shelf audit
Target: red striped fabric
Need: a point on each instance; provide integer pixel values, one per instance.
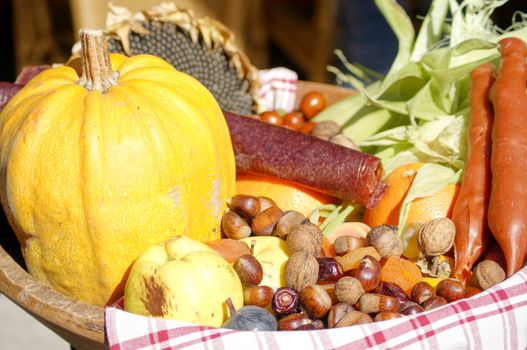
(493, 319)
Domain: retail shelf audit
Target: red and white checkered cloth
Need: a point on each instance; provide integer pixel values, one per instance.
(493, 319)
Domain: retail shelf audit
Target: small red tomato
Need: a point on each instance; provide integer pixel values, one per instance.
(295, 120)
(312, 103)
(272, 117)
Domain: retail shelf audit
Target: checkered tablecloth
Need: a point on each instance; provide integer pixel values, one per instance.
(494, 319)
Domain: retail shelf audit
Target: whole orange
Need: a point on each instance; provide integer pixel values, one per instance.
(424, 209)
(287, 195)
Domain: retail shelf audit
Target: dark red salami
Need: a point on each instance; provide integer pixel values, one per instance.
(306, 160)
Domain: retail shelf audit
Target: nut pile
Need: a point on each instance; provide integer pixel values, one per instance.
(367, 280)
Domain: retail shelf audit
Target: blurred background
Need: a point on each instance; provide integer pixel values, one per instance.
(299, 34)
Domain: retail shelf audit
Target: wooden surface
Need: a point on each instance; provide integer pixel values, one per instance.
(80, 324)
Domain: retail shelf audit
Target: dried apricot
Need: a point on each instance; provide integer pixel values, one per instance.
(352, 259)
(402, 272)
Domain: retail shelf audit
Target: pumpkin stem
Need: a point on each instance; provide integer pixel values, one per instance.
(97, 73)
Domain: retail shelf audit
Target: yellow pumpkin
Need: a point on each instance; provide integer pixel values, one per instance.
(96, 169)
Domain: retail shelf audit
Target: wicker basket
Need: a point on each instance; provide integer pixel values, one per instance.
(80, 324)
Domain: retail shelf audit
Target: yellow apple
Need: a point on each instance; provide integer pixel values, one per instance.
(182, 279)
(272, 253)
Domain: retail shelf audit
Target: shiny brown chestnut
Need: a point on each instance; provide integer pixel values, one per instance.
(434, 302)
(372, 303)
(422, 291)
(336, 312)
(315, 301)
(346, 244)
(410, 308)
(263, 224)
(451, 289)
(259, 296)
(293, 321)
(368, 273)
(354, 318)
(244, 205)
(234, 226)
(249, 270)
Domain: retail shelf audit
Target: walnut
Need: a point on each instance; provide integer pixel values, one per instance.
(325, 129)
(385, 240)
(348, 290)
(436, 237)
(301, 270)
(304, 237)
(487, 273)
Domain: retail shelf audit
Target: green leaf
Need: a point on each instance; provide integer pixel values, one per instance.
(431, 29)
(403, 29)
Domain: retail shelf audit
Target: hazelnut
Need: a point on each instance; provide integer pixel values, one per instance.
(348, 290)
(301, 270)
(487, 273)
(305, 237)
(244, 205)
(263, 224)
(346, 244)
(234, 226)
(436, 237)
(385, 240)
(325, 129)
(288, 220)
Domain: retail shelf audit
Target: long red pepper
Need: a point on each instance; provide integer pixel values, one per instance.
(470, 210)
(507, 215)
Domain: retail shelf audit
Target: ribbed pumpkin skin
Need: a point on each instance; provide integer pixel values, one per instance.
(89, 180)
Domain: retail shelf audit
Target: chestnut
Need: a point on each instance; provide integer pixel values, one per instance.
(353, 318)
(234, 226)
(249, 270)
(368, 273)
(451, 289)
(259, 296)
(410, 308)
(371, 303)
(293, 321)
(434, 302)
(336, 312)
(263, 224)
(385, 316)
(244, 205)
(288, 220)
(422, 291)
(266, 203)
(346, 244)
(315, 301)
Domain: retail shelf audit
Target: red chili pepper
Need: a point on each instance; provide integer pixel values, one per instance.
(507, 214)
(470, 210)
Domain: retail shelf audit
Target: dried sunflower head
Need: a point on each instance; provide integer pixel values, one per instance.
(201, 47)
